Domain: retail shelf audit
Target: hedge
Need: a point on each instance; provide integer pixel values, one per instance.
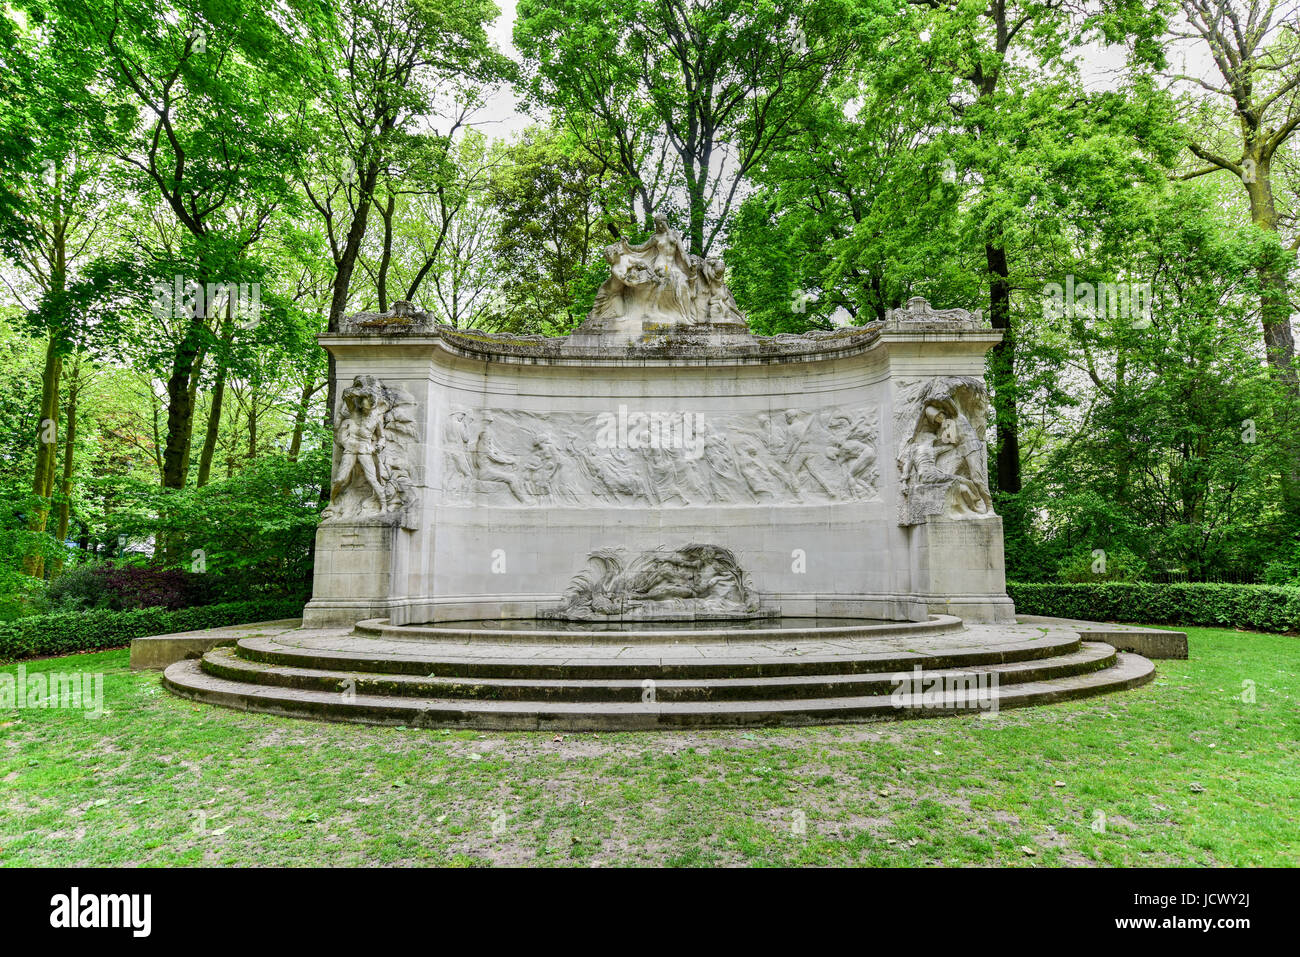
(68, 633)
(1257, 607)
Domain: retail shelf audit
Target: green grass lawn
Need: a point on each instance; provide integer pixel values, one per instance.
(1182, 771)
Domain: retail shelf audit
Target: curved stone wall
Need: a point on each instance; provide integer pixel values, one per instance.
(846, 472)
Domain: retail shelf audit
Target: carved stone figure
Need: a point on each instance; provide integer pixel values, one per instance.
(692, 582)
(660, 283)
(943, 464)
(719, 306)
(853, 448)
(918, 310)
(513, 458)
(373, 433)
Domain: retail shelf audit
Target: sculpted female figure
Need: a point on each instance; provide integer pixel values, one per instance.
(650, 281)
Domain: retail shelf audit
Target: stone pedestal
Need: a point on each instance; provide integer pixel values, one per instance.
(959, 569)
(354, 573)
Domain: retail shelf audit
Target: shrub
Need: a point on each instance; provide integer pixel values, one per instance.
(1259, 607)
(68, 633)
(76, 589)
(131, 586)
(248, 536)
(1285, 570)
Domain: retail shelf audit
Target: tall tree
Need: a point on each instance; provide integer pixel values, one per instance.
(57, 204)
(557, 206)
(215, 84)
(997, 52)
(1255, 49)
(383, 69)
(719, 80)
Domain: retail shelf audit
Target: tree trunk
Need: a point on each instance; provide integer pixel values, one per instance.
(214, 427)
(48, 427)
(1123, 461)
(300, 418)
(182, 393)
(344, 268)
(695, 192)
(1275, 317)
(69, 462)
(1274, 304)
(46, 449)
(1002, 362)
(381, 282)
(252, 425)
(180, 408)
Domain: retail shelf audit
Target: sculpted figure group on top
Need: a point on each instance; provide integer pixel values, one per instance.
(662, 281)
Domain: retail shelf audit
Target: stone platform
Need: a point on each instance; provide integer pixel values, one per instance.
(156, 652)
(471, 677)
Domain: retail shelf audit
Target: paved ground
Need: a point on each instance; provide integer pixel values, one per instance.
(1004, 637)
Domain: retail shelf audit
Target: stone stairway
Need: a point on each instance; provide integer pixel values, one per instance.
(435, 677)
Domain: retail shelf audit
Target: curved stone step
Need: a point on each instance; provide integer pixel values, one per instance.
(464, 660)
(186, 678)
(648, 632)
(226, 663)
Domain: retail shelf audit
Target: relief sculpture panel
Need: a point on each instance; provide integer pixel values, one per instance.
(694, 582)
(374, 433)
(632, 458)
(943, 457)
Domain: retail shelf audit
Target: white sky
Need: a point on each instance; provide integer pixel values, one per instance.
(500, 118)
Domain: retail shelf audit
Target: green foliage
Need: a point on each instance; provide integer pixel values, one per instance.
(1258, 607)
(250, 535)
(1285, 570)
(557, 208)
(61, 634)
(77, 589)
(639, 82)
(1178, 453)
(843, 155)
(1118, 565)
(19, 593)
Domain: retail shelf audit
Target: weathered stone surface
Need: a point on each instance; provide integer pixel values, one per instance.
(692, 583)
(374, 435)
(1148, 642)
(819, 461)
(659, 290)
(408, 678)
(156, 652)
(943, 461)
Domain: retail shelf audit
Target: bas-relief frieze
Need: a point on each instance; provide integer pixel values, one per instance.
(623, 457)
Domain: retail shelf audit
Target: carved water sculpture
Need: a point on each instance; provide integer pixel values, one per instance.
(374, 433)
(666, 584)
(631, 458)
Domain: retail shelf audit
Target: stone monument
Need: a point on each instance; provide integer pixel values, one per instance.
(659, 521)
(692, 469)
